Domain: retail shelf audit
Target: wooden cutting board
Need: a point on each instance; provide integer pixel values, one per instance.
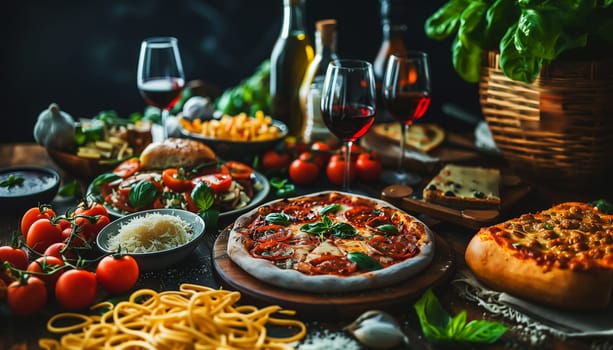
(333, 306)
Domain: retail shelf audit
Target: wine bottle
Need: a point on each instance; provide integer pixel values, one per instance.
(289, 60)
(310, 89)
(394, 35)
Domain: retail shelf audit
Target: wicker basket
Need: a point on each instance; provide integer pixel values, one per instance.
(558, 130)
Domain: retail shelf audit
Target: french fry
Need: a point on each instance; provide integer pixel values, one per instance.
(240, 127)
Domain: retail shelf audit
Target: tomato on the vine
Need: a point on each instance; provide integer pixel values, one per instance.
(16, 256)
(61, 250)
(117, 274)
(175, 180)
(127, 168)
(355, 151)
(91, 209)
(42, 233)
(313, 157)
(26, 297)
(33, 214)
(322, 151)
(336, 170)
(217, 182)
(76, 289)
(90, 226)
(368, 166)
(275, 160)
(48, 269)
(303, 172)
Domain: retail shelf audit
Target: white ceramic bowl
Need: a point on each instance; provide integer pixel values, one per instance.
(160, 259)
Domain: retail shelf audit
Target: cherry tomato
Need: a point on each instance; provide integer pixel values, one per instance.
(26, 297)
(34, 214)
(303, 172)
(336, 170)
(296, 145)
(237, 170)
(17, 257)
(46, 268)
(127, 168)
(368, 166)
(321, 150)
(313, 157)
(275, 160)
(42, 233)
(90, 226)
(175, 180)
(91, 209)
(60, 250)
(355, 151)
(217, 182)
(117, 274)
(76, 289)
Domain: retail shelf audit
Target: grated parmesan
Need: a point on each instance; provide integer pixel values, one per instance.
(328, 340)
(150, 233)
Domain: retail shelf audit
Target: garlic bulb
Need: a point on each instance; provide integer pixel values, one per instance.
(198, 107)
(378, 330)
(55, 129)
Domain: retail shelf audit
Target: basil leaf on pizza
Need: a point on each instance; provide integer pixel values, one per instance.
(329, 242)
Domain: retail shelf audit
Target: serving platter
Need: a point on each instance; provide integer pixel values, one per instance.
(330, 306)
(257, 199)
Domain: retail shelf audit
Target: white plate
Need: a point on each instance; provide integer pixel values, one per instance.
(258, 197)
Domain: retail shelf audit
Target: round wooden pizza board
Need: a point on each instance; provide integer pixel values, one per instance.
(329, 306)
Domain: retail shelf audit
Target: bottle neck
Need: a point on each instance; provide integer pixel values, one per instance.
(293, 18)
(392, 31)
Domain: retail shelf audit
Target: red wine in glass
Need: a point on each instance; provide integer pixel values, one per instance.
(406, 107)
(162, 93)
(348, 122)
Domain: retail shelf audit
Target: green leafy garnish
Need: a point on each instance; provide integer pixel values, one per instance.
(71, 189)
(604, 206)
(278, 218)
(331, 208)
(203, 196)
(283, 187)
(364, 261)
(12, 180)
(327, 226)
(142, 194)
(388, 228)
(211, 218)
(440, 327)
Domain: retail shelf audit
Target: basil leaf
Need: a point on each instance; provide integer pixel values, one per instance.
(604, 206)
(446, 20)
(343, 230)
(278, 218)
(314, 227)
(331, 208)
(514, 65)
(388, 228)
(439, 327)
(70, 189)
(499, 16)
(12, 180)
(203, 196)
(466, 60)
(142, 194)
(102, 178)
(364, 261)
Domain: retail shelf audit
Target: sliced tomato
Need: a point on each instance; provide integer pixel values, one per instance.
(191, 206)
(176, 181)
(127, 168)
(237, 170)
(272, 250)
(333, 264)
(219, 182)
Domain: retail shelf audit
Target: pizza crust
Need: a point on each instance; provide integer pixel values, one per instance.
(561, 288)
(267, 272)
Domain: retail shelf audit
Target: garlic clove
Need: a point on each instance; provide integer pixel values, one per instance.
(378, 330)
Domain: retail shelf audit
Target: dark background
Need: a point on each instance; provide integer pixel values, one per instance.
(83, 54)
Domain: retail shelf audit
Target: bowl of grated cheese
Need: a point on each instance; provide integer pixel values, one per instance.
(157, 238)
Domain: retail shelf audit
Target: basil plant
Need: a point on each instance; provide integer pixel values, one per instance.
(527, 33)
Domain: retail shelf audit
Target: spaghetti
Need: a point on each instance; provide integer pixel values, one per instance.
(195, 317)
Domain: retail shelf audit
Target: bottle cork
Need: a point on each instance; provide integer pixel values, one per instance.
(327, 29)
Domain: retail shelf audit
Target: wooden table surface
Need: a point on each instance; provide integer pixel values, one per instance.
(23, 333)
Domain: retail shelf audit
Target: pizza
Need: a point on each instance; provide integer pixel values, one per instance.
(330, 242)
(561, 256)
(465, 187)
(422, 137)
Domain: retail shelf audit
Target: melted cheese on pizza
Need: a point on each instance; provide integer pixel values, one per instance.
(570, 235)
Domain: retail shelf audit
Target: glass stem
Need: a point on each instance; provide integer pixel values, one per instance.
(164, 126)
(346, 178)
(403, 141)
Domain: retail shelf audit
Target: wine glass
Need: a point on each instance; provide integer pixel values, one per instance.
(160, 77)
(348, 103)
(406, 95)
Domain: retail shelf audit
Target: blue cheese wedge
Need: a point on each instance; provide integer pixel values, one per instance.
(464, 187)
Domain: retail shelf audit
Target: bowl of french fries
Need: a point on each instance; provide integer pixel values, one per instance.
(236, 137)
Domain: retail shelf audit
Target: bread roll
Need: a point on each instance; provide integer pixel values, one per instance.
(175, 153)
